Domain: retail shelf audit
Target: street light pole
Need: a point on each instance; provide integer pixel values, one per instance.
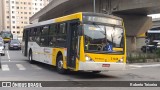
(94, 6)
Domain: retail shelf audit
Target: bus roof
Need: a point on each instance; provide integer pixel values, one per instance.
(71, 17)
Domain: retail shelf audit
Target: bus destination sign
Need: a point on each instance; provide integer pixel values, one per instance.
(102, 20)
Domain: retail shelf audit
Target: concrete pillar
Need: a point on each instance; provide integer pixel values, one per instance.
(131, 44)
(135, 25)
(140, 42)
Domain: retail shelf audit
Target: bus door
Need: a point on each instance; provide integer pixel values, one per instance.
(72, 43)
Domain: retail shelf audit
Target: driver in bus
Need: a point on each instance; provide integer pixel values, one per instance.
(106, 46)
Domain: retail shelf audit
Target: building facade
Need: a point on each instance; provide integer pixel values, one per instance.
(0, 15)
(15, 14)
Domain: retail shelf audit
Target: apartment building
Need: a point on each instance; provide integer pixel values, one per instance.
(15, 14)
(0, 15)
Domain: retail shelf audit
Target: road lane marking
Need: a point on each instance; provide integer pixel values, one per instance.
(5, 67)
(137, 66)
(8, 55)
(20, 67)
(133, 68)
(13, 61)
(36, 67)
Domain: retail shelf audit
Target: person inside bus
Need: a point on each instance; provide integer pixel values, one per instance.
(106, 46)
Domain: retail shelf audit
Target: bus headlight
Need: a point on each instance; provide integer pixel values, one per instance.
(88, 58)
(120, 60)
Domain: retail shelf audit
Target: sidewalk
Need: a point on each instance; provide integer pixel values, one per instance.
(156, 60)
(145, 63)
(142, 65)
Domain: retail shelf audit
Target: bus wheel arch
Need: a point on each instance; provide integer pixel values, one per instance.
(59, 63)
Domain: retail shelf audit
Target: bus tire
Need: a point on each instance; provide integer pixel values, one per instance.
(59, 65)
(30, 57)
(95, 72)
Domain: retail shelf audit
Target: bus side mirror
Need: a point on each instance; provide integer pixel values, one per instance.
(80, 30)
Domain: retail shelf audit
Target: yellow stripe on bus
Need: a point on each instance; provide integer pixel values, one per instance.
(70, 17)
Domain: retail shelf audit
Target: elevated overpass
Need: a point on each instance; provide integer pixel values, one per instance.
(134, 13)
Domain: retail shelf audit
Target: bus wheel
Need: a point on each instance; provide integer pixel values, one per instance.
(30, 57)
(59, 65)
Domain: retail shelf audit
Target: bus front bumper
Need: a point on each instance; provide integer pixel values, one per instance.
(101, 66)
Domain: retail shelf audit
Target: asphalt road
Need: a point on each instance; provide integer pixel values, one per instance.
(15, 67)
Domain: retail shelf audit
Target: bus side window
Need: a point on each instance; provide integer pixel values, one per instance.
(57, 28)
(30, 34)
(39, 31)
(63, 28)
(38, 34)
(61, 35)
(34, 31)
(52, 35)
(24, 35)
(45, 30)
(44, 36)
(52, 41)
(52, 30)
(44, 41)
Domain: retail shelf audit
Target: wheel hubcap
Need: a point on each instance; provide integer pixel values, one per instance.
(60, 64)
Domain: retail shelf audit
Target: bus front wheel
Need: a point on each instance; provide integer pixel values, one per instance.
(59, 65)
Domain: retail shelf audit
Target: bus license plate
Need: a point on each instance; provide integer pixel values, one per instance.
(105, 65)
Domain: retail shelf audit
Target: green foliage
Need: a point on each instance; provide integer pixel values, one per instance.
(143, 57)
(158, 52)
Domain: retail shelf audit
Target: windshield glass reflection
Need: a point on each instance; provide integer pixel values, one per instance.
(101, 38)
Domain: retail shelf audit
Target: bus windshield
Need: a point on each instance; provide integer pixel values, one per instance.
(154, 37)
(103, 38)
(6, 35)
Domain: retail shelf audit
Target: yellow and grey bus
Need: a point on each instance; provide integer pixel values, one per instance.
(6, 35)
(82, 41)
